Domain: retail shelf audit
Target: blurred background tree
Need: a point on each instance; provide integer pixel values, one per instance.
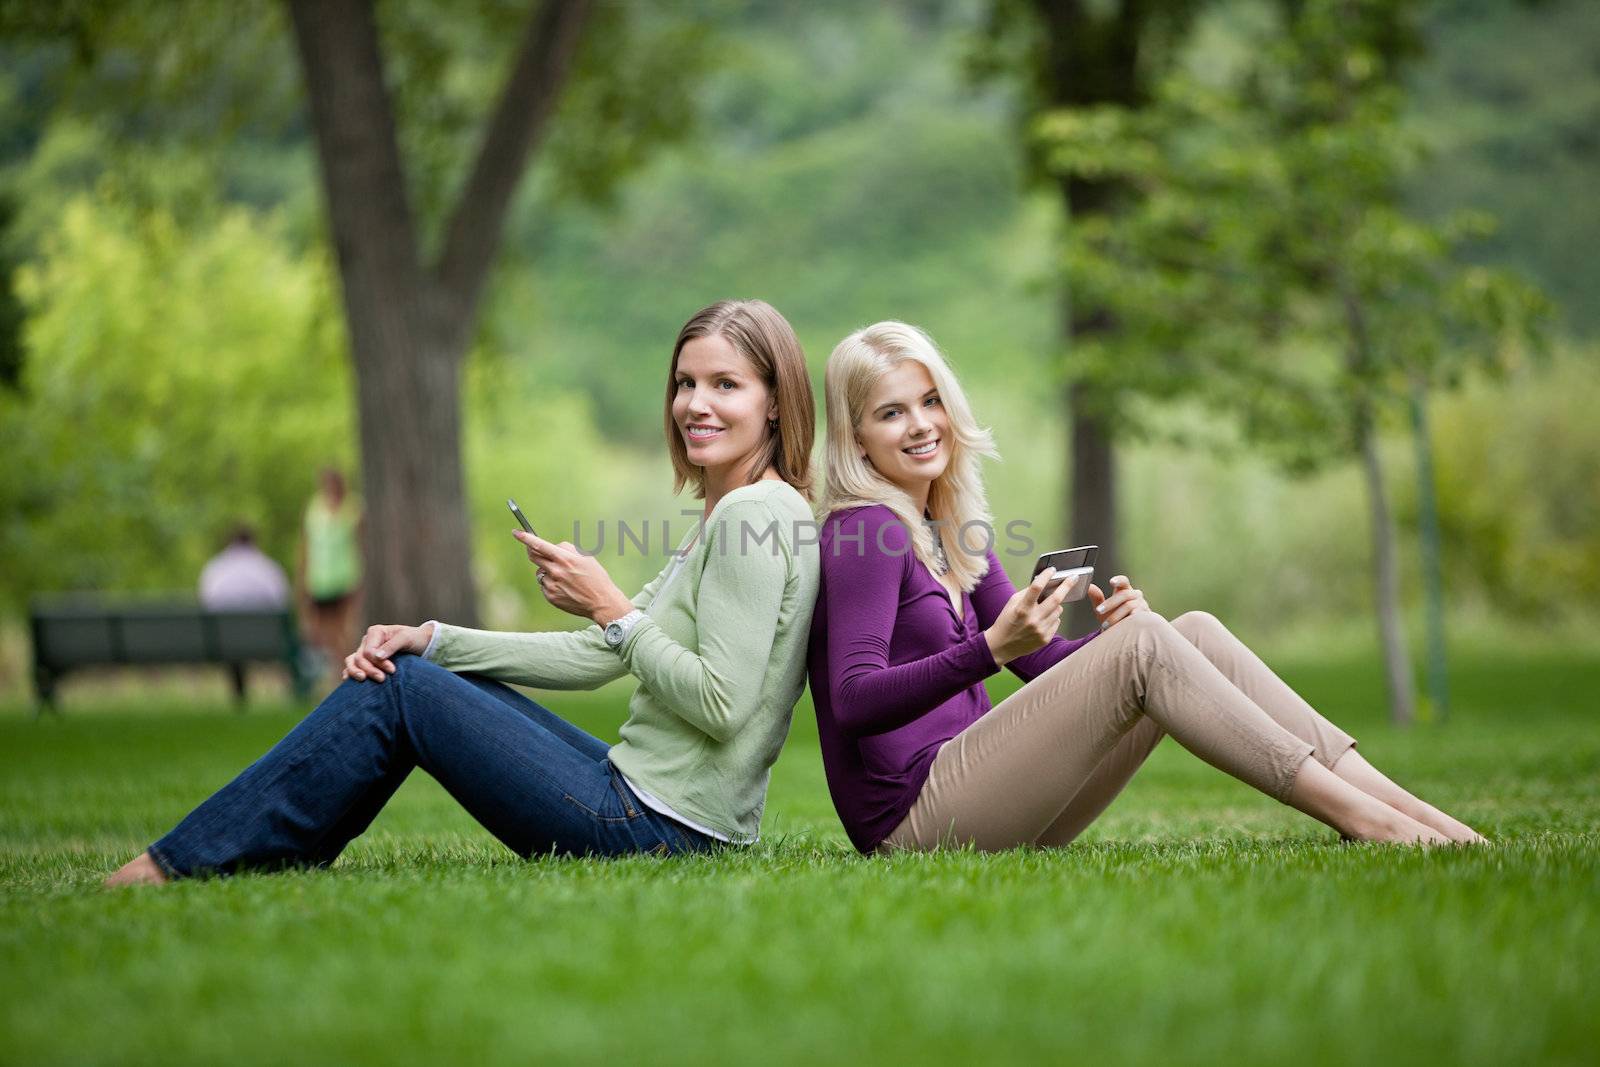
(1267, 265)
(1084, 54)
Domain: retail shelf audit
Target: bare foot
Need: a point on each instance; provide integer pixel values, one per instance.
(1396, 828)
(141, 870)
(1448, 825)
(1354, 768)
(1356, 814)
(1454, 830)
(1475, 838)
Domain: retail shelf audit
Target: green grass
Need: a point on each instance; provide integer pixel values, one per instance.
(1195, 921)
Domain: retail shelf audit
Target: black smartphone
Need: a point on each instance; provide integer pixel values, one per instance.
(1076, 563)
(521, 518)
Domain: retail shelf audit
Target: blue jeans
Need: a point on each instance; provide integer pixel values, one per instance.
(538, 783)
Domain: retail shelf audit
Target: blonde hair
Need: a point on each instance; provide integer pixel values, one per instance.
(956, 498)
(761, 335)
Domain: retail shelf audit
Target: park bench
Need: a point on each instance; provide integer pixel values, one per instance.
(79, 631)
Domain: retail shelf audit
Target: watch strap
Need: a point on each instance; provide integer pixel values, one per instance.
(622, 627)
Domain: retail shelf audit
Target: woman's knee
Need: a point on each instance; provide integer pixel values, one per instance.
(407, 664)
(1139, 624)
(1143, 630)
(1152, 636)
(413, 674)
(421, 692)
(1193, 624)
(410, 673)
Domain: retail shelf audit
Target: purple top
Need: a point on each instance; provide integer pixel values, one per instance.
(895, 672)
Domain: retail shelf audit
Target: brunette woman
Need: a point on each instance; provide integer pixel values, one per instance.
(716, 641)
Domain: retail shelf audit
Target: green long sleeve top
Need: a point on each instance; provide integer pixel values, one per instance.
(720, 656)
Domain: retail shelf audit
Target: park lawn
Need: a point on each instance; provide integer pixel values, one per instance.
(1196, 921)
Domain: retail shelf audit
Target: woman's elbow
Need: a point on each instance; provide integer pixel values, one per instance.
(846, 702)
(720, 731)
(721, 719)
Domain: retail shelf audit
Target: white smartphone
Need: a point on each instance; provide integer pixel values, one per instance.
(1075, 565)
(1078, 576)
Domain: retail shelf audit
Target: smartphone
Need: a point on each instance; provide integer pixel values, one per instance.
(1072, 564)
(521, 518)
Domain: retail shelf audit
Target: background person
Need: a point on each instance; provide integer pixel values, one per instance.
(242, 577)
(329, 567)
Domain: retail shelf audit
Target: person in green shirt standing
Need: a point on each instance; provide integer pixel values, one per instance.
(328, 574)
(717, 642)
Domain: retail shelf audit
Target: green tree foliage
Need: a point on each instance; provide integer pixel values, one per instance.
(184, 378)
(1509, 103)
(1519, 491)
(177, 382)
(1271, 204)
(1517, 464)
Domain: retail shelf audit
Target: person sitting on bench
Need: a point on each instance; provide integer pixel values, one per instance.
(243, 578)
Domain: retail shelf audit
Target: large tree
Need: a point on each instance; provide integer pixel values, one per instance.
(410, 321)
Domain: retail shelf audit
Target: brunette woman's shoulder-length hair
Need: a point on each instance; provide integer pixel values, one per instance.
(761, 335)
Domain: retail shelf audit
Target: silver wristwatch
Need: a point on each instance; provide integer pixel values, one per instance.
(617, 632)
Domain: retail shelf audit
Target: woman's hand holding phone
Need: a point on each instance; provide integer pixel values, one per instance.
(574, 582)
(1026, 623)
(373, 657)
(1123, 601)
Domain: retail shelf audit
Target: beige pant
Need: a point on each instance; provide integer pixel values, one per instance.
(1047, 760)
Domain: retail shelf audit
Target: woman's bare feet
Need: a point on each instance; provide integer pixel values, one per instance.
(1453, 828)
(1330, 799)
(141, 870)
(1395, 827)
(1354, 768)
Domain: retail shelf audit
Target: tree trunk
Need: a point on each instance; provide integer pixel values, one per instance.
(1090, 56)
(1386, 575)
(1360, 362)
(1094, 487)
(418, 552)
(1432, 567)
(418, 539)
(1092, 509)
(410, 327)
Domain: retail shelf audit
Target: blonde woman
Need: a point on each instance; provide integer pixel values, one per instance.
(716, 641)
(915, 612)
